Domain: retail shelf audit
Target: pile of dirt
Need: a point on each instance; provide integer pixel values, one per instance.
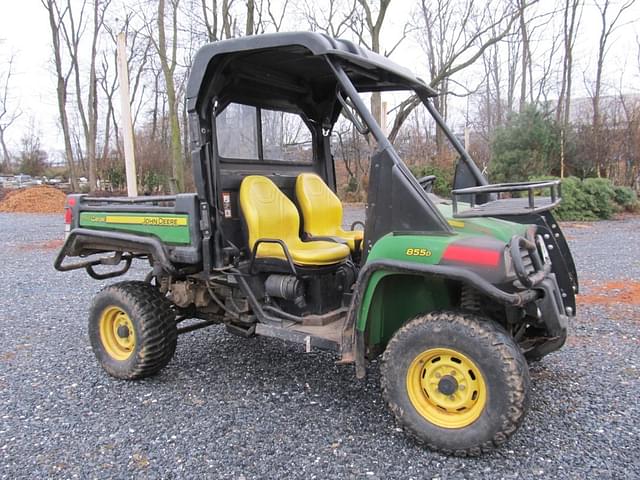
(615, 292)
(48, 245)
(41, 199)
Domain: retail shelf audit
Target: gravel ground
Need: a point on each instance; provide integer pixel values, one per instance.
(227, 407)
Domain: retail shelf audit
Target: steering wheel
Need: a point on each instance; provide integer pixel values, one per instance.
(426, 182)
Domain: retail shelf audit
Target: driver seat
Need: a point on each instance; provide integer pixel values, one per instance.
(270, 215)
(322, 211)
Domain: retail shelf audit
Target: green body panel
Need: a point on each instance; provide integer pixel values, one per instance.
(486, 226)
(169, 228)
(393, 298)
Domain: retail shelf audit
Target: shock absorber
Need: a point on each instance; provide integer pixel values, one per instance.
(470, 299)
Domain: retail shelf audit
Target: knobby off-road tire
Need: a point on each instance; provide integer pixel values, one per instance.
(132, 330)
(436, 354)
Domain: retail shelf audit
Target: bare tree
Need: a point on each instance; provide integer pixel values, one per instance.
(501, 63)
(526, 52)
(571, 21)
(365, 19)
(7, 116)
(455, 35)
(332, 17)
(32, 158)
(73, 31)
(56, 18)
(250, 25)
(546, 61)
(276, 18)
(108, 83)
(168, 62)
(607, 26)
(518, 59)
(368, 30)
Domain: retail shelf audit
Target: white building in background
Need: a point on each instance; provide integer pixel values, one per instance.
(614, 109)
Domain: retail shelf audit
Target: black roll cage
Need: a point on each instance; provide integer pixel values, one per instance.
(206, 160)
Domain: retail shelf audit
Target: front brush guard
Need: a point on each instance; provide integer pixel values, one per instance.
(541, 270)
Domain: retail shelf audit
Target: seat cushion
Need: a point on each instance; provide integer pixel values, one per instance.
(350, 236)
(269, 214)
(306, 253)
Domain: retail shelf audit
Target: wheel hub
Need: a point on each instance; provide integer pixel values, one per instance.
(448, 385)
(117, 334)
(123, 331)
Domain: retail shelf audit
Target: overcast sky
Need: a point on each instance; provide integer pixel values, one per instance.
(24, 31)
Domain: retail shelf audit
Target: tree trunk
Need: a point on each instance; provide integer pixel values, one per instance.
(250, 23)
(525, 54)
(61, 89)
(6, 162)
(226, 18)
(92, 101)
(168, 67)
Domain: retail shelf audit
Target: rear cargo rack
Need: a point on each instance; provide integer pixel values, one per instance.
(531, 202)
(131, 200)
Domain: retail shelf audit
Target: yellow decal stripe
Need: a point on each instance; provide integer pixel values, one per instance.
(456, 223)
(160, 221)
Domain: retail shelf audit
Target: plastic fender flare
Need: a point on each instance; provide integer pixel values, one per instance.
(355, 337)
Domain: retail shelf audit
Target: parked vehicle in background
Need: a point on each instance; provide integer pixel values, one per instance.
(22, 180)
(54, 181)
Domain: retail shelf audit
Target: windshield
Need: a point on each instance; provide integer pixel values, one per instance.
(412, 125)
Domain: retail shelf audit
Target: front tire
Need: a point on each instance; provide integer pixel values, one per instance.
(132, 330)
(457, 382)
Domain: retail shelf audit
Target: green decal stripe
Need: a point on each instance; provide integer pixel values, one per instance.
(169, 228)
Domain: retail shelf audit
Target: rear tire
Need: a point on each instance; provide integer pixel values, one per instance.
(132, 330)
(457, 382)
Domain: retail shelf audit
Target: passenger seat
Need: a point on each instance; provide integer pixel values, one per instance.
(322, 211)
(270, 215)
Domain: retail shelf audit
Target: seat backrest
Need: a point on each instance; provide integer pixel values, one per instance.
(321, 208)
(267, 211)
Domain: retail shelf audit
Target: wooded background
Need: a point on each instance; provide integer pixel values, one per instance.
(505, 70)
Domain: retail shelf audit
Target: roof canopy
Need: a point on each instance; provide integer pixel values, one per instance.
(284, 69)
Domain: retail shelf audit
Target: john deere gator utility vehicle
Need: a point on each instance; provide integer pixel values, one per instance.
(453, 294)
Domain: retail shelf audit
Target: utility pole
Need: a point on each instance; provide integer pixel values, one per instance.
(384, 118)
(127, 127)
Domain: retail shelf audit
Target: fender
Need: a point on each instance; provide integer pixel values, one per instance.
(357, 316)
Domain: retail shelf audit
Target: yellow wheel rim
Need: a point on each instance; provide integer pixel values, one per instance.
(446, 388)
(117, 334)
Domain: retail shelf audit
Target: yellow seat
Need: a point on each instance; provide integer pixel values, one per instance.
(270, 214)
(322, 210)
